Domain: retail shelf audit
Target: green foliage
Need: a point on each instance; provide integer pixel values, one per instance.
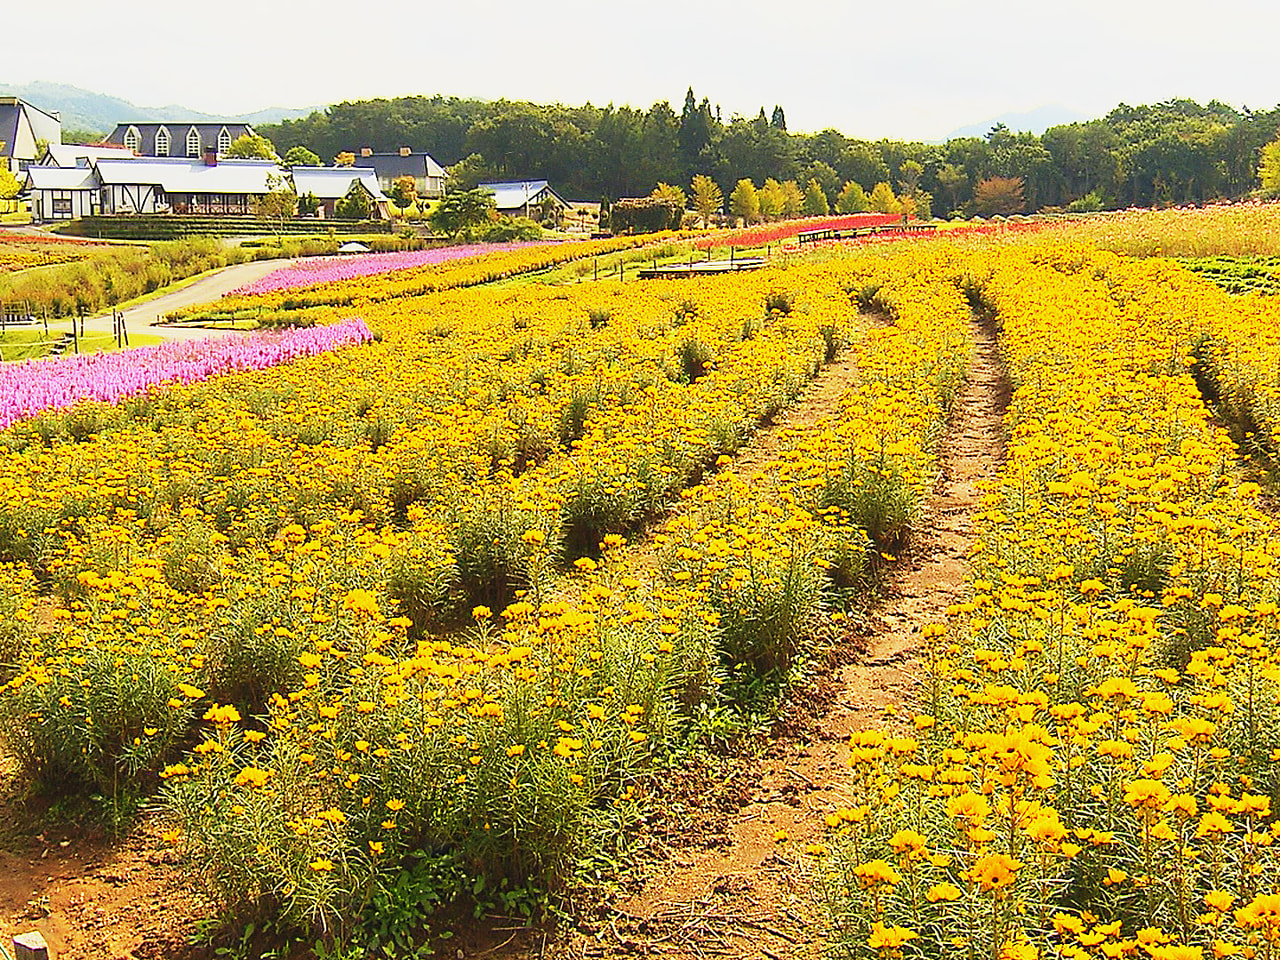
(707, 198)
(882, 199)
(462, 210)
(1091, 202)
(1175, 151)
(645, 215)
(404, 191)
(300, 156)
(744, 202)
(118, 729)
(815, 201)
(279, 203)
(357, 204)
(852, 199)
(251, 146)
(1268, 169)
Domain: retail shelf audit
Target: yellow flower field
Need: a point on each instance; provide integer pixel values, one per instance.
(444, 604)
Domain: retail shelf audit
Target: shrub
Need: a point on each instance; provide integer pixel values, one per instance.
(645, 215)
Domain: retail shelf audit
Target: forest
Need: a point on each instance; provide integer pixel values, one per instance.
(1177, 151)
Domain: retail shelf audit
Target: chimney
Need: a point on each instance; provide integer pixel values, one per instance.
(210, 156)
(406, 152)
(366, 151)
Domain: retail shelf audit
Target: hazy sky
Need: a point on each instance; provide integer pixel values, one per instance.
(914, 69)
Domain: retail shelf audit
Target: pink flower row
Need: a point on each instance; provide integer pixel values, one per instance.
(30, 386)
(313, 270)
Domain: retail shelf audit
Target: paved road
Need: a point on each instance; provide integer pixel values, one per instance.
(139, 319)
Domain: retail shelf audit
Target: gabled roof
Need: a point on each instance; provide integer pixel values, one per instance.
(182, 175)
(397, 165)
(178, 131)
(511, 194)
(62, 178)
(9, 114)
(77, 154)
(330, 183)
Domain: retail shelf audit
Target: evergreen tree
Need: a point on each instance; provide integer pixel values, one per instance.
(815, 201)
(779, 120)
(852, 198)
(694, 134)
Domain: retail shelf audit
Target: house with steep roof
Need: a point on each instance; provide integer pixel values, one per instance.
(82, 154)
(525, 198)
(330, 184)
(178, 185)
(22, 126)
(63, 193)
(428, 176)
(178, 138)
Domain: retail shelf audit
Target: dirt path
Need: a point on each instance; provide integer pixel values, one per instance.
(139, 319)
(747, 896)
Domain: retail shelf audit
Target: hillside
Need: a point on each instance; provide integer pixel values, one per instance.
(98, 112)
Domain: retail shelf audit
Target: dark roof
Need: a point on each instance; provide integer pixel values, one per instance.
(393, 165)
(9, 113)
(178, 131)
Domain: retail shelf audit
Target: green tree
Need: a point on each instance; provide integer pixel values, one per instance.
(792, 200)
(951, 180)
(852, 198)
(883, 200)
(302, 157)
(676, 198)
(1269, 169)
(468, 173)
(251, 146)
(771, 200)
(356, 205)
(707, 197)
(744, 202)
(279, 203)
(463, 210)
(815, 201)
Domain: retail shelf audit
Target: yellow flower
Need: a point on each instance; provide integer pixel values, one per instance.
(889, 938)
(995, 871)
(224, 713)
(943, 893)
(321, 865)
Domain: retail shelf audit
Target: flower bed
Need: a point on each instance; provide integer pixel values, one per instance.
(324, 269)
(28, 387)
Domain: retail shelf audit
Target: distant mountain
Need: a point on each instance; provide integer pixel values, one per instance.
(85, 110)
(1035, 121)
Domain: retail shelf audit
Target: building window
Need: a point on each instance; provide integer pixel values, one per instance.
(132, 139)
(62, 205)
(193, 143)
(224, 141)
(162, 142)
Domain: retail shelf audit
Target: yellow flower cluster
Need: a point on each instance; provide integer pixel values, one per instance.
(1091, 766)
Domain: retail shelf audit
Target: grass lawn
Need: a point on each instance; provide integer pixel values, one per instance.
(29, 344)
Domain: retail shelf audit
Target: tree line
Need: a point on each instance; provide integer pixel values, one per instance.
(1177, 151)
